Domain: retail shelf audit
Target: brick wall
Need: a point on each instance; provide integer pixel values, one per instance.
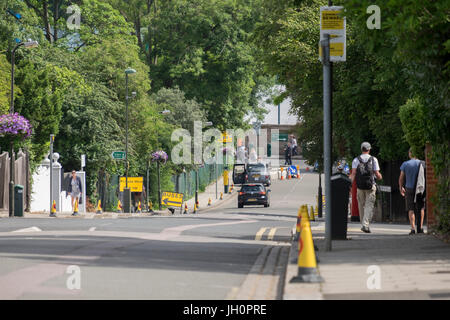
(431, 183)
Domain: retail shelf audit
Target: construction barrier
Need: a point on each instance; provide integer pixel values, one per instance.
(307, 263)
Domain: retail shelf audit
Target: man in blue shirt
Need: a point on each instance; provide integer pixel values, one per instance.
(409, 171)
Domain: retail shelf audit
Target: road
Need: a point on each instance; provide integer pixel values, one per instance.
(220, 253)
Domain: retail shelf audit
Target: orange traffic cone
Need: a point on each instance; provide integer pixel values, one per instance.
(281, 173)
(298, 172)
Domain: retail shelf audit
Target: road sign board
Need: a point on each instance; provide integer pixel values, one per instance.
(134, 183)
(225, 138)
(118, 155)
(332, 23)
(172, 199)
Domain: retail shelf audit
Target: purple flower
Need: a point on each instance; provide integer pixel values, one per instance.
(14, 126)
(160, 156)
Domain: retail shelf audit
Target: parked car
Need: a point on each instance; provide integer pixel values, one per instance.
(253, 194)
(258, 173)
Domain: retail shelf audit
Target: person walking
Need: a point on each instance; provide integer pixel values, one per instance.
(293, 142)
(365, 169)
(288, 154)
(411, 185)
(75, 189)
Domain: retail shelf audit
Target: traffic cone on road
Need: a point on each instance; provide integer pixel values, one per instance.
(150, 206)
(307, 263)
(75, 208)
(99, 207)
(119, 206)
(311, 214)
(139, 208)
(281, 169)
(298, 172)
(209, 202)
(53, 212)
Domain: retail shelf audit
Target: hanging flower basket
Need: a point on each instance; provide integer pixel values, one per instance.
(159, 156)
(14, 128)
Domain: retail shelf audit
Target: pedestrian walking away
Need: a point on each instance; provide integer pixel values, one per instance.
(365, 170)
(411, 183)
(75, 188)
(288, 154)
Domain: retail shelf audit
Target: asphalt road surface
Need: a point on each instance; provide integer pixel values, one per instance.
(220, 253)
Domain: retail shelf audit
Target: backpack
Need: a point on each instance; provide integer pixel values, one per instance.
(364, 174)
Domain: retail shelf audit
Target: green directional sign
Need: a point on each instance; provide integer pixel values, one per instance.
(118, 155)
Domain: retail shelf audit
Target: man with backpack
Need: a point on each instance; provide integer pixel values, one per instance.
(365, 169)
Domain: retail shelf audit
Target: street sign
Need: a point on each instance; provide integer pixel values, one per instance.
(134, 183)
(225, 138)
(172, 199)
(118, 155)
(332, 23)
(385, 188)
(83, 160)
(279, 137)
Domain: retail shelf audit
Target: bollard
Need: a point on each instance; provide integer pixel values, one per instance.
(75, 208)
(53, 213)
(99, 207)
(311, 214)
(306, 263)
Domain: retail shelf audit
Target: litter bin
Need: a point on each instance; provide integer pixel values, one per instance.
(18, 200)
(340, 189)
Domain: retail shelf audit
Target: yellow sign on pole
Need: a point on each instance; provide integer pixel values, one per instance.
(332, 23)
(134, 183)
(172, 199)
(226, 138)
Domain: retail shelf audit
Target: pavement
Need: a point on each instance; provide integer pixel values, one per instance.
(387, 264)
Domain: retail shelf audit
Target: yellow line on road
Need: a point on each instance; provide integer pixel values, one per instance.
(271, 233)
(260, 233)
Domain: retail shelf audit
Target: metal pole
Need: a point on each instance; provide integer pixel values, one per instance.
(12, 158)
(327, 137)
(159, 187)
(127, 193)
(146, 187)
(51, 171)
(319, 200)
(215, 171)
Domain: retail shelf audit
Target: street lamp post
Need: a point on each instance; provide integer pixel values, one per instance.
(164, 112)
(206, 124)
(29, 45)
(127, 192)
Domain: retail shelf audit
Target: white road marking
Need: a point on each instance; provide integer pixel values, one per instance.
(30, 229)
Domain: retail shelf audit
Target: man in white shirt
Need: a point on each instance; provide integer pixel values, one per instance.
(365, 169)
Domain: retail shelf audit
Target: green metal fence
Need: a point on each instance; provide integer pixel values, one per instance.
(185, 182)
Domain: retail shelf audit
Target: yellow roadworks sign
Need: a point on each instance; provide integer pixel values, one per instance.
(134, 183)
(172, 199)
(332, 20)
(224, 138)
